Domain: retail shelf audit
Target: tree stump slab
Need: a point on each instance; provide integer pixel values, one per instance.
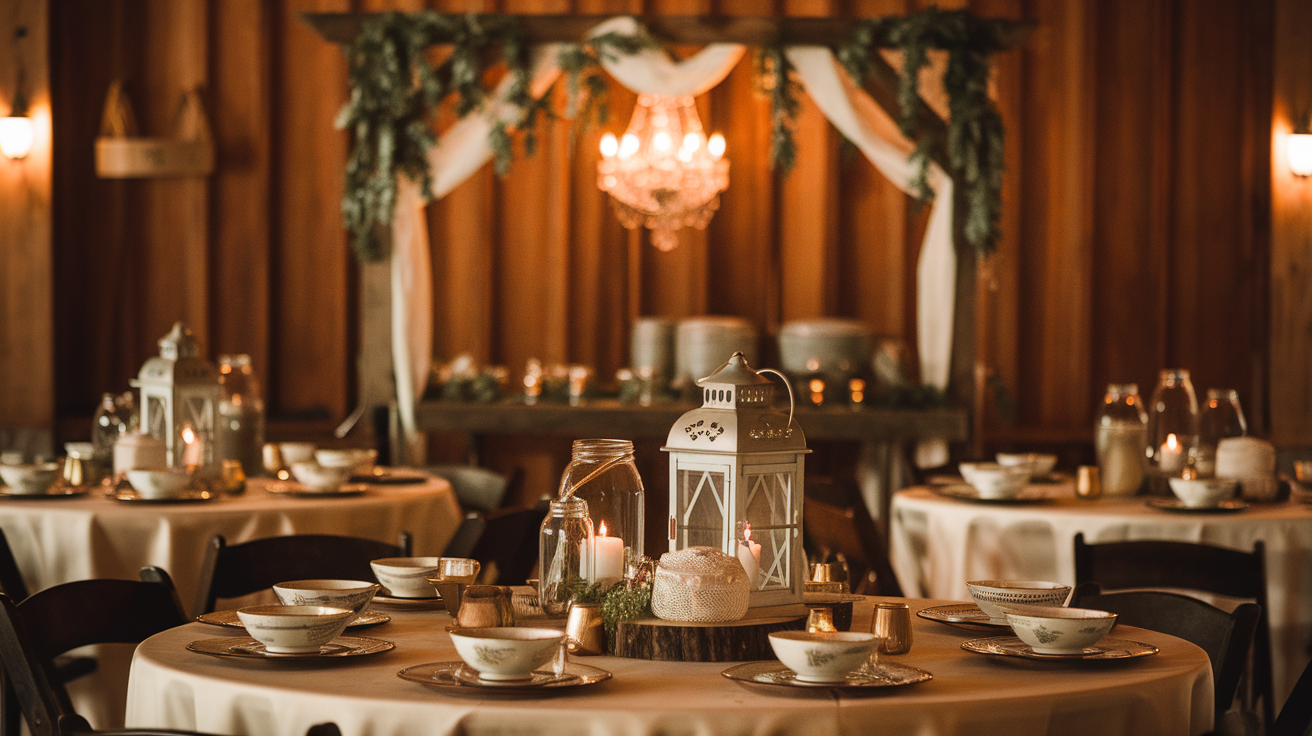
(679, 641)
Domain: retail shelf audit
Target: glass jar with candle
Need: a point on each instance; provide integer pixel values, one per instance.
(1121, 437)
(1172, 429)
(565, 554)
(603, 474)
(241, 413)
(1221, 417)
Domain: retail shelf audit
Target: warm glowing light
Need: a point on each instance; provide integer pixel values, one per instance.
(188, 435)
(610, 145)
(716, 145)
(692, 142)
(684, 155)
(1299, 150)
(16, 136)
(1171, 442)
(747, 532)
(602, 530)
(661, 141)
(629, 145)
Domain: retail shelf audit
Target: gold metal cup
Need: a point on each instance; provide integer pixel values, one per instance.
(583, 629)
(234, 478)
(272, 457)
(892, 624)
(820, 619)
(1087, 482)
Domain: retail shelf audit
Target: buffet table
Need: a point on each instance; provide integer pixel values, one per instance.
(61, 539)
(971, 694)
(937, 543)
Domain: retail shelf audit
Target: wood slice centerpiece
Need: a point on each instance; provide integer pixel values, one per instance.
(695, 641)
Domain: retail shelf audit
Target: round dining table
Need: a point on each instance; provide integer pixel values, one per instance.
(938, 541)
(58, 539)
(970, 694)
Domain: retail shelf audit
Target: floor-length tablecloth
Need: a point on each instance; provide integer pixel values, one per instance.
(938, 543)
(58, 540)
(970, 695)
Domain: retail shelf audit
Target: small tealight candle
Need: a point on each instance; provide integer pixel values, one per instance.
(608, 555)
(1170, 456)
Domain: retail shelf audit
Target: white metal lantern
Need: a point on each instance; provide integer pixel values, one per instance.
(180, 399)
(736, 480)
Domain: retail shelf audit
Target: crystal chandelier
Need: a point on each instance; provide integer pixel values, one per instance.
(663, 174)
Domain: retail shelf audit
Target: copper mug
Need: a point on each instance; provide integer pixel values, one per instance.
(892, 625)
(583, 629)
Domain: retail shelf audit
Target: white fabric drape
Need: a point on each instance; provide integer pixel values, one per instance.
(463, 149)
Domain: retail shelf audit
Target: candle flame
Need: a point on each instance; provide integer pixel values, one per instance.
(747, 532)
(1172, 442)
(602, 533)
(189, 436)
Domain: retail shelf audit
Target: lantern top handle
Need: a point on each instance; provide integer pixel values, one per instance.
(736, 372)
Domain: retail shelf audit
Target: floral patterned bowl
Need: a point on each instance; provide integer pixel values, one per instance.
(352, 594)
(825, 656)
(507, 652)
(991, 595)
(1057, 630)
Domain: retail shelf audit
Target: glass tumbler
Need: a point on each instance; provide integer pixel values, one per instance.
(565, 553)
(1221, 417)
(1172, 429)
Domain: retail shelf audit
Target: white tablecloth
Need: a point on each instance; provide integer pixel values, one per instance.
(58, 540)
(970, 695)
(938, 543)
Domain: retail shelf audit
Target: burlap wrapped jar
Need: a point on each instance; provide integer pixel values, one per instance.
(699, 584)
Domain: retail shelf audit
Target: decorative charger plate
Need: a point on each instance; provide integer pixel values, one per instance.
(416, 604)
(229, 618)
(56, 492)
(1175, 504)
(189, 495)
(292, 488)
(391, 477)
(889, 674)
(456, 678)
(248, 648)
(967, 492)
(965, 615)
(1106, 648)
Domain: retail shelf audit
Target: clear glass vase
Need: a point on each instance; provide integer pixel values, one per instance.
(1122, 438)
(1172, 429)
(241, 414)
(1221, 417)
(565, 554)
(603, 474)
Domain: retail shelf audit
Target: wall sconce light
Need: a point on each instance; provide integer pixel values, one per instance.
(16, 132)
(1299, 147)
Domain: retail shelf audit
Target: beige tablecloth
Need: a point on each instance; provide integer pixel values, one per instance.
(57, 540)
(970, 695)
(938, 543)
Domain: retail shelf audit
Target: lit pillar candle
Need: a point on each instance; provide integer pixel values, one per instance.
(749, 554)
(608, 556)
(193, 451)
(1170, 456)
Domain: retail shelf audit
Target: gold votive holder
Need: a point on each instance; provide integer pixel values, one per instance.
(1087, 482)
(892, 625)
(820, 619)
(583, 629)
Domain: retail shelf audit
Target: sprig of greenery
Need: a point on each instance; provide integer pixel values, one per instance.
(774, 73)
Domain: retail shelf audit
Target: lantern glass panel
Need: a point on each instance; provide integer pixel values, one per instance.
(156, 413)
(702, 498)
(768, 508)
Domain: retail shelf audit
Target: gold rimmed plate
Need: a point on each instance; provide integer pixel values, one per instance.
(964, 615)
(775, 674)
(229, 618)
(55, 492)
(246, 647)
(390, 477)
(967, 492)
(1105, 649)
(1175, 504)
(458, 679)
(292, 488)
(190, 495)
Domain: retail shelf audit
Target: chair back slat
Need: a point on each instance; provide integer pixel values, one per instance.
(847, 529)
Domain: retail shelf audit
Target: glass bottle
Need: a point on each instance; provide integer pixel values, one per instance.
(565, 553)
(1221, 417)
(603, 474)
(1172, 429)
(1121, 436)
(106, 427)
(241, 413)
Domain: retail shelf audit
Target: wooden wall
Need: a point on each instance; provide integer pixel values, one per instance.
(1136, 215)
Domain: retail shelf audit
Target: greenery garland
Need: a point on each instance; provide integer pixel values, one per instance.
(395, 92)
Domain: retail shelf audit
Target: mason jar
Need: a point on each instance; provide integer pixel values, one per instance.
(1121, 432)
(565, 554)
(603, 474)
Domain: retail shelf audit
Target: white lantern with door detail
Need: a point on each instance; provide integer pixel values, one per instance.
(179, 401)
(736, 469)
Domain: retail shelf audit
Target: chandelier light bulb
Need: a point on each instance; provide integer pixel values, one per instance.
(610, 145)
(661, 141)
(16, 136)
(715, 146)
(1299, 149)
(692, 142)
(629, 145)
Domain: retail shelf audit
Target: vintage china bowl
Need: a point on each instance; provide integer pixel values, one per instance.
(508, 652)
(320, 477)
(352, 594)
(407, 577)
(157, 484)
(29, 479)
(992, 595)
(1039, 464)
(296, 452)
(360, 461)
(995, 481)
(294, 629)
(1199, 493)
(827, 656)
(1058, 630)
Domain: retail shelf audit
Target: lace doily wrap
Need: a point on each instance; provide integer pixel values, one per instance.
(699, 584)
